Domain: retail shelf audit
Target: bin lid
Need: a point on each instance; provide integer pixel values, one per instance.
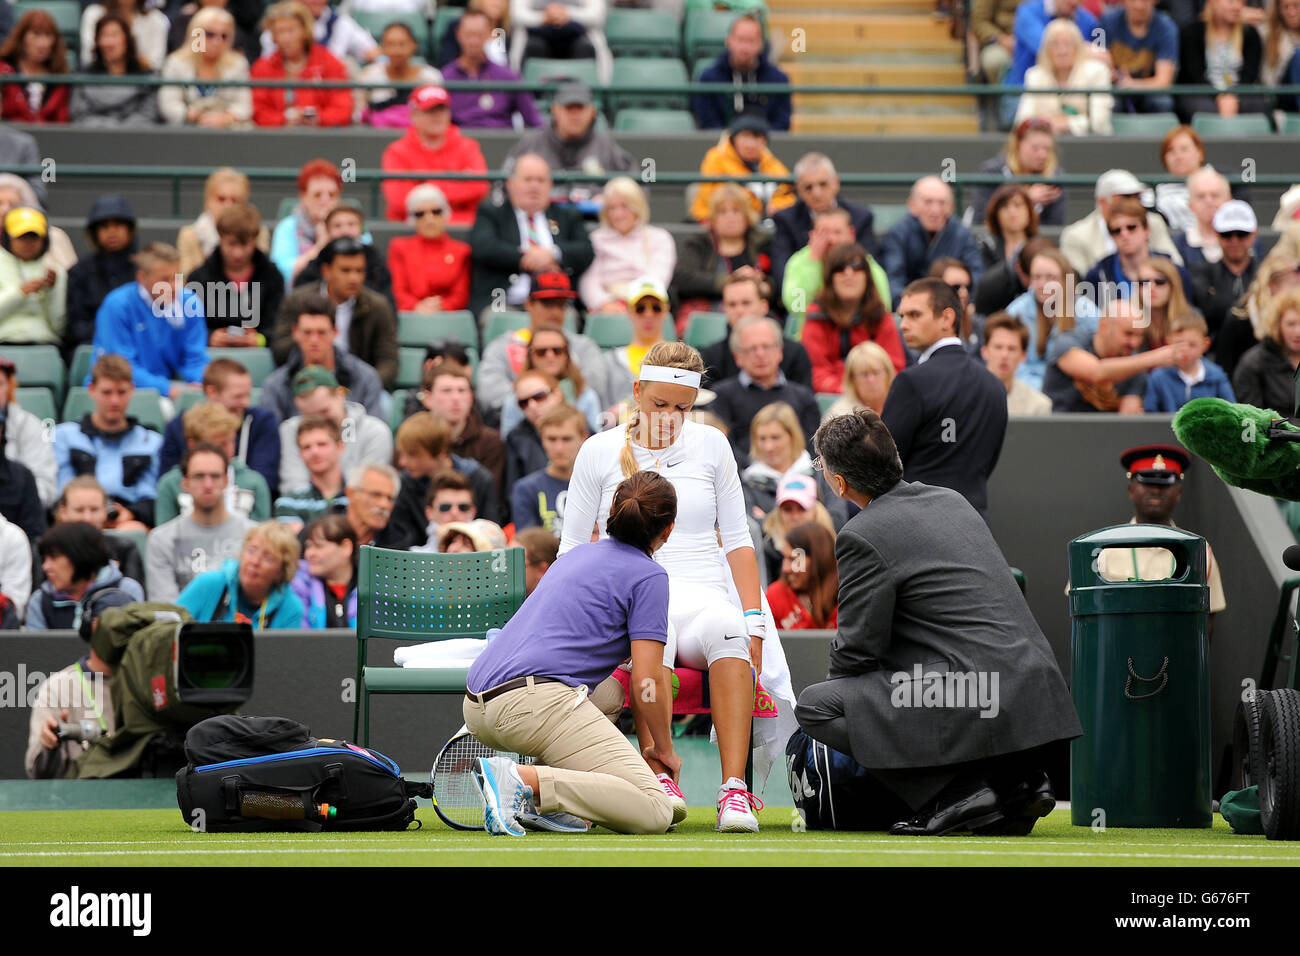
(1188, 550)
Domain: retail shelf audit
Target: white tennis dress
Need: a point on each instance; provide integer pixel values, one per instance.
(702, 593)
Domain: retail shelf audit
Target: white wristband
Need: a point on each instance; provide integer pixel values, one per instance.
(757, 626)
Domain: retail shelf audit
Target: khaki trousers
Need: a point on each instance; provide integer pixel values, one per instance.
(585, 766)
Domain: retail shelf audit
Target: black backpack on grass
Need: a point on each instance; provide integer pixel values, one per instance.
(250, 774)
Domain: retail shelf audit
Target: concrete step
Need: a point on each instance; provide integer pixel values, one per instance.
(854, 6)
(835, 34)
(870, 73)
(886, 124)
(849, 103)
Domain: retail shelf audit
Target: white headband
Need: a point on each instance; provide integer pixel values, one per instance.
(673, 376)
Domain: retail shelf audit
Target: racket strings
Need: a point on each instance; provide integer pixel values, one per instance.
(456, 797)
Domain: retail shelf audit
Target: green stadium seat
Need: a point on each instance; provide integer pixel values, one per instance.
(1290, 124)
(442, 20)
(39, 401)
(499, 323)
(609, 330)
(705, 34)
(734, 7)
(374, 24)
(410, 367)
(259, 361)
(659, 73)
(886, 215)
(705, 328)
(138, 538)
(1248, 124)
(826, 399)
(38, 365)
(642, 33)
(66, 15)
(543, 70)
(397, 411)
(145, 407)
(420, 328)
(1143, 124)
(81, 362)
(414, 597)
(794, 326)
(285, 207)
(654, 121)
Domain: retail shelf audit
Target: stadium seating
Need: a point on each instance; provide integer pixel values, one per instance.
(499, 323)
(259, 361)
(145, 407)
(641, 33)
(81, 362)
(410, 367)
(374, 24)
(705, 328)
(413, 597)
(1247, 124)
(39, 401)
(1143, 124)
(419, 328)
(38, 365)
(1290, 123)
(543, 70)
(705, 34)
(67, 17)
(609, 330)
(825, 400)
(654, 121)
(655, 73)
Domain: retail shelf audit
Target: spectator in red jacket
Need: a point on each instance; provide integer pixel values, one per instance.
(806, 594)
(435, 142)
(297, 56)
(846, 312)
(34, 47)
(430, 270)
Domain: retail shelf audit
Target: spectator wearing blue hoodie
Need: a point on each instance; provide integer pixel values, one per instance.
(110, 227)
(1172, 387)
(256, 587)
(156, 324)
(743, 64)
(929, 232)
(76, 563)
(326, 582)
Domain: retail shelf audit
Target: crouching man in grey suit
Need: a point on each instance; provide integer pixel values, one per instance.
(941, 685)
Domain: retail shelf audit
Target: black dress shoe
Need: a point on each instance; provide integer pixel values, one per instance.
(977, 808)
(1029, 800)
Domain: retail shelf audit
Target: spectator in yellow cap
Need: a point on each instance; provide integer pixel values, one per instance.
(33, 289)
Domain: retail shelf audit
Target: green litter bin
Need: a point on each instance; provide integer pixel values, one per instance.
(1141, 684)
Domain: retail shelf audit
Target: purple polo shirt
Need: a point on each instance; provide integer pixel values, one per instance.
(579, 624)
(489, 110)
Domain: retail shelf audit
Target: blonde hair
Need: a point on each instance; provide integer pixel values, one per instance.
(1178, 307)
(1255, 303)
(206, 18)
(282, 541)
(732, 193)
(777, 413)
(1050, 33)
(1238, 31)
(292, 9)
(208, 420)
(860, 358)
(627, 189)
(667, 355)
(1282, 303)
(773, 528)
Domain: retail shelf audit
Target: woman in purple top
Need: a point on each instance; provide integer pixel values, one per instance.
(596, 606)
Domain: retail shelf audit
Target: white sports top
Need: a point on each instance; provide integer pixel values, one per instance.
(702, 468)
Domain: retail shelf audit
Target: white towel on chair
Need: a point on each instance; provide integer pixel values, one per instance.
(459, 652)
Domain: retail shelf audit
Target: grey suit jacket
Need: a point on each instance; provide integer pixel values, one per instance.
(922, 582)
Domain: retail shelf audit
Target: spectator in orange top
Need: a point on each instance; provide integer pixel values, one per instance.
(846, 312)
(297, 56)
(34, 47)
(805, 596)
(435, 142)
(430, 269)
(741, 151)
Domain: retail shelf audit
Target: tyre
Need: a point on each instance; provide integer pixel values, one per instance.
(1279, 781)
(1247, 762)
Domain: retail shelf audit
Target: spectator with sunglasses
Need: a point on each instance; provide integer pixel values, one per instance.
(363, 319)
(954, 273)
(803, 272)
(548, 352)
(536, 393)
(647, 305)
(430, 269)
(847, 311)
(450, 499)
(1116, 275)
(1218, 286)
(219, 58)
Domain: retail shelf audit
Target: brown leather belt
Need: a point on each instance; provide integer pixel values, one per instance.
(492, 693)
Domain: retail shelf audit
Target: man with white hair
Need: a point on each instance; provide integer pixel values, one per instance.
(1207, 191)
(1088, 240)
(929, 232)
(818, 186)
(372, 492)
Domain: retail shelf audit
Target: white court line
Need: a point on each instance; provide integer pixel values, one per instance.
(575, 848)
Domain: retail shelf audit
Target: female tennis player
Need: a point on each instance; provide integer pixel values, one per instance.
(528, 689)
(717, 616)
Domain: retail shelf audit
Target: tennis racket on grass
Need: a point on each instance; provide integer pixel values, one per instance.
(456, 798)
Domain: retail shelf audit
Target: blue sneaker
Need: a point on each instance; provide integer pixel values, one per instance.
(504, 795)
(558, 822)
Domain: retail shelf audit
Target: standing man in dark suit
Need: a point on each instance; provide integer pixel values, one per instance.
(947, 413)
(940, 683)
(525, 234)
(818, 186)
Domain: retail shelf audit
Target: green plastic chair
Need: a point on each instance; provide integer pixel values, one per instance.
(609, 330)
(138, 538)
(259, 361)
(39, 401)
(410, 367)
(705, 328)
(413, 597)
(642, 33)
(657, 72)
(374, 24)
(442, 21)
(38, 365)
(705, 34)
(1141, 124)
(654, 121)
(1248, 124)
(396, 414)
(67, 18)
(419, 328)
(499, 323)
(543, 70)
(1290, 124)
(886, 215)
(145, 407)
(826, 399)
(286, 206)
(80, 366)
